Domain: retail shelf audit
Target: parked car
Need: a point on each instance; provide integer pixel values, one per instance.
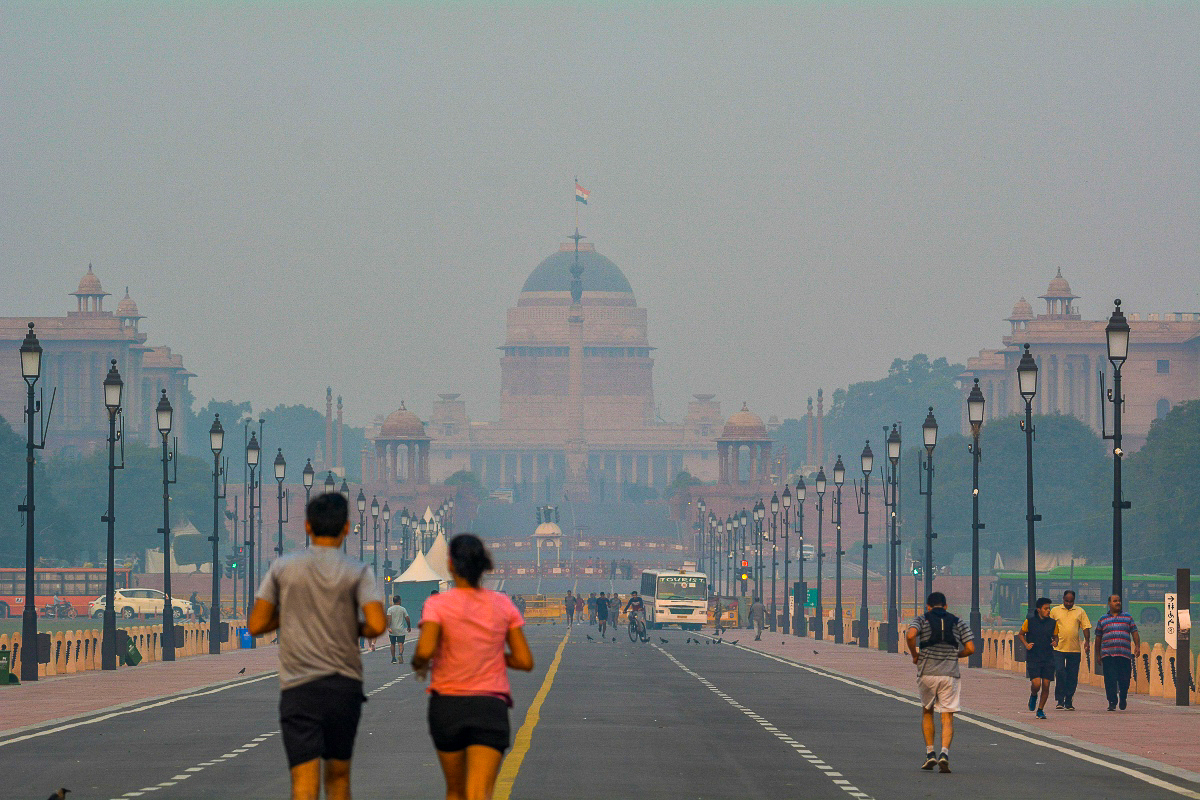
(129, 602)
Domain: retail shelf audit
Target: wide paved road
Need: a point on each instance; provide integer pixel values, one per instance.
(619, 720)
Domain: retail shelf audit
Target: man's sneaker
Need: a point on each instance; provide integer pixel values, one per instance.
(1041, 714)
(394, 661)
(930, 761)
(1032, 702)
(1059, 706)
(1069, 707)
(1112, 706)
(1122, 703)
(944, 763)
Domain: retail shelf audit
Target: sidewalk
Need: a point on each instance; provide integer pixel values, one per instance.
(65, 696)
(1150, 728)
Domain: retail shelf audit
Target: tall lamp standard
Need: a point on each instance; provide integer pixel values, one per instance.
(112, 401)
(404, 534)
(449, 518)
(375, 537)
(362, 522)
(774, 560)
(867, 461)
(820, 609)
(216, 442)
(424, 526)
(785, 500)
(307, 475)
(1116, 335)
(893, 453)
(700, 532)
(742, 521)
(712, 550)
(799, 628)
(164, 414)
(731, 527)
(253, 451)
(387, 524)
(759, 512)
(975, 403)
(839, 477)
(929, 429)
(280, 473)
(1027, 374)
(31, 370)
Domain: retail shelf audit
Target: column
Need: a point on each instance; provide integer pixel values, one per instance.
(410, 465)
(736, 477)
(721, 448)
(423, 453)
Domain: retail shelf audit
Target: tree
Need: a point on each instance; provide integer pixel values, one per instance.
(56, 537)
(199, 424)
(1160, 527)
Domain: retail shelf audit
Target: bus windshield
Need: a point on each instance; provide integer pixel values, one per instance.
(682, 587)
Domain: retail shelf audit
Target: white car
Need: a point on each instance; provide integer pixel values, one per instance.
(129, 602)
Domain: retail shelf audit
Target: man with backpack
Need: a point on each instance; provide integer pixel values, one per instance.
(942, 639)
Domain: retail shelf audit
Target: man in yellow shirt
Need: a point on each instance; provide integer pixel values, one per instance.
(1072, 621)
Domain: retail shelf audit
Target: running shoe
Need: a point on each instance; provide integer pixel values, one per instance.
(1122, 704)
(1041, 714)
(944, 763)
(930, 761)
(1059, 706)
(1032, 702)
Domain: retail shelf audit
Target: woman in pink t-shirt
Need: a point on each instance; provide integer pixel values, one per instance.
(464, 633)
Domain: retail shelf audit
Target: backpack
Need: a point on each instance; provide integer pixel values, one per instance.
(941, 626)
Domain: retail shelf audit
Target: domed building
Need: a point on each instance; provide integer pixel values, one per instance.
(609, 419)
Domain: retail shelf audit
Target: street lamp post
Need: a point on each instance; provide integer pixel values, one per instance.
(280, 472)
(700, 533)
(867, 461)
(742, 522)
(785, 500)
(893, 453)
(799, 628)
(330, 483)
(253, 451)
(760, 511)
(727, 547)
(839, 477)
(820, 609)
(712, 550)
(387, 525)
(774, 550)
(1116, 335)
(112, 401)
(375, 537)
(975, 403)
(31, 370)
(164, 414)
(308, 474)
(362, 522)
(929, 429)
(1027, 374)
(216, 442)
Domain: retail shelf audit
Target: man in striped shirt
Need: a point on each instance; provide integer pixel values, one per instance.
(1117, 644)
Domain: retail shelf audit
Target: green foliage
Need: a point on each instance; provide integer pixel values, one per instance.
(200, 423)
(1160, 530)
(191, 548)
(681, 481)
(56, 537)
(467, 480)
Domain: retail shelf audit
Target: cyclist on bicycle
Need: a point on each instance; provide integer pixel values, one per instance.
(636, 609)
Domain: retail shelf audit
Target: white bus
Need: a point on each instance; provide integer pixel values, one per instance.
(675, 597)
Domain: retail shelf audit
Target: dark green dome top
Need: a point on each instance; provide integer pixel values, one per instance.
(599, 274)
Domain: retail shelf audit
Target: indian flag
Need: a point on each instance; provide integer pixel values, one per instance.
(581, 194)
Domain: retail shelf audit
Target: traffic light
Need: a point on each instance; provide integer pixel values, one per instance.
(916, 568)
(230, 566)
(745, 570)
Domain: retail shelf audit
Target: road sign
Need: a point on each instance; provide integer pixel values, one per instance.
(812, 597)
(1170, 619)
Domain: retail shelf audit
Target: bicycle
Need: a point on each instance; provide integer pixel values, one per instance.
(637, 627)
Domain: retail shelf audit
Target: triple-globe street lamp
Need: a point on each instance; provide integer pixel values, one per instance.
(362, 522)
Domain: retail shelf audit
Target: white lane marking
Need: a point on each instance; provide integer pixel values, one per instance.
(387, 685)
(1130, 771)
(767, 726)
(136, 710)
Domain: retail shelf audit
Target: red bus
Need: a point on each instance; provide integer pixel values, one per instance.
(75, 586)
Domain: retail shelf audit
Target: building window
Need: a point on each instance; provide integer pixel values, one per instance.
(1164, 406)
(1164, 366)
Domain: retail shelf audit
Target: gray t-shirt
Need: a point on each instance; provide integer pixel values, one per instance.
(397, 619)
(319, 593)
(939, 659)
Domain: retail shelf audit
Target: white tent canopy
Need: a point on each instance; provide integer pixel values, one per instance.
(438, 555)
(419, 570)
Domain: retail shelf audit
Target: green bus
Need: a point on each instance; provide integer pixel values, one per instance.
(1143, 593)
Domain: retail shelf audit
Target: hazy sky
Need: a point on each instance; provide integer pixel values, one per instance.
(303, 194)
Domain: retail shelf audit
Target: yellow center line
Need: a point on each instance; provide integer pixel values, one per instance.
(512, 764)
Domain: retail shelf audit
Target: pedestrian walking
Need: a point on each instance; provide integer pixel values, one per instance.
(757, 617)
(399, 626)
(942, 639)
(569, 605)
(314, 598)
(600, 609)
(1117, 644)
(579, 607)
(614, 609)
(591, 608)
(469, 635)
(1072, 622)
(1039, 634)
(717, 616)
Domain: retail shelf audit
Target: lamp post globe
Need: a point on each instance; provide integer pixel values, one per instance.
(164, 413)
(31, 357)
(1116, 336)
(280, 466)
(253, 451)
(216, 436)
(975, 404)
(1027, 375)
(308, 474)
(345, 490)
(893, 445)
(839, 473)
(330, 483)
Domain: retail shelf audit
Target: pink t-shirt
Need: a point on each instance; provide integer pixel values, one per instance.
(469, 658)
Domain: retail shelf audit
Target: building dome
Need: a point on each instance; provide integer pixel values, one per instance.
(599, 274)
(126, 308)
(402, 424)
(1021, 311)
(1059, 287)
(548, 529)
(89, 284)
(745, 424)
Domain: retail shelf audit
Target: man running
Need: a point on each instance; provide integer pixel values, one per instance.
(600, 609)
(398, 615)
(943, 639)
(569, 605)
(591, 608)
(1039, 634)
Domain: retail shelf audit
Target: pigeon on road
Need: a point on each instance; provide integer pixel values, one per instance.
(734, 641)
(60, 794)
(815, 653)
(664, 641)
(590, 639)
(689, 641)
(614, 638)
(241, 671)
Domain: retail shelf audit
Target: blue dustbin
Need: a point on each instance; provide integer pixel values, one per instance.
(245, 640)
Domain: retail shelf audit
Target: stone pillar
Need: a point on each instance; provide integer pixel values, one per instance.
(808, 424)
(337, 460)
(820, 425)
(423, 453)
(410, 464)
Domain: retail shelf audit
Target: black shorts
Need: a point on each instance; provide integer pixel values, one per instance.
(397, 638)
(457, 722)
(1039, 669)
(320, 718)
